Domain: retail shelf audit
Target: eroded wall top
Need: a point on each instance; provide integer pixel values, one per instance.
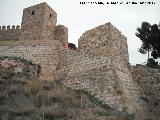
(105, 40)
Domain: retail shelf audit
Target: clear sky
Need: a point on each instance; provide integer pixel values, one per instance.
(79, 18)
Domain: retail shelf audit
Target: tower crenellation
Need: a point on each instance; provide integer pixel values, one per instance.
(38, 23)
(3, 27)
(13, 27)
(8, 33)
(17, 27)
(8, 27)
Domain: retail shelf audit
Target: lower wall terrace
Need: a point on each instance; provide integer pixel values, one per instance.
(46, 56)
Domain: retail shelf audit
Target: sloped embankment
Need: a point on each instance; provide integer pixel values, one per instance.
(24, 97)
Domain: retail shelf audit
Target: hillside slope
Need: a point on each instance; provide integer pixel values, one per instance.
(24, 97)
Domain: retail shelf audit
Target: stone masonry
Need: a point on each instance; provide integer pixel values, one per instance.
(7, 33)
(149, 81)
(100, 65)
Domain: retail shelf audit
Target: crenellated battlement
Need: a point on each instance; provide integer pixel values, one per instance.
(100, 65)
(8, 27)
(9, 32)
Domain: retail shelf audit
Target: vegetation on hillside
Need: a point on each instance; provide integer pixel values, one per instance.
(72, 46)
(28, 98)
(18, 67)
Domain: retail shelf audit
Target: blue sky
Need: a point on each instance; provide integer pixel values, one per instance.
(79, 18)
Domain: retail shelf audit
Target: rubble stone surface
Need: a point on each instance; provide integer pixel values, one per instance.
(100, 65)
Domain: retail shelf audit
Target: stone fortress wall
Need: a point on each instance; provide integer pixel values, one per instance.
(44, 55)
(149, 81)
(93, 67)
(39, 39)
(9, 33)
(92, 73)
(100, 65)
(38, 22)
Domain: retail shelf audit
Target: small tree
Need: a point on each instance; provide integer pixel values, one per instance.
(72, 46)
(143, 33)
(150, 37)
(152, 63)
(155, 41)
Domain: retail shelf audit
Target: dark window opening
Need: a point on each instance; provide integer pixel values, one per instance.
(50, 15)
(32, 12)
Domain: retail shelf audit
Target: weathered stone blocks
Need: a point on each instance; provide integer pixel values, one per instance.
(9, 34)
(100, 65)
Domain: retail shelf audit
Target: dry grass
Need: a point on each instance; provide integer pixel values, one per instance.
(35, 84)
(50, 101)
(2, 95)
(8, 42)
(12, 89)
(52, 112)
(23, 111)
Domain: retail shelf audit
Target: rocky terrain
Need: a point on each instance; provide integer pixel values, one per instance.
(24, 97)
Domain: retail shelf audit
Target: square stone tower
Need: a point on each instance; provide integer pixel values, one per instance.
(38, 22)
(105, 40)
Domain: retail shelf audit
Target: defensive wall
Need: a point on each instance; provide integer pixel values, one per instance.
(100, 65)
(39, 39)
(9, 33)
(149, 81)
